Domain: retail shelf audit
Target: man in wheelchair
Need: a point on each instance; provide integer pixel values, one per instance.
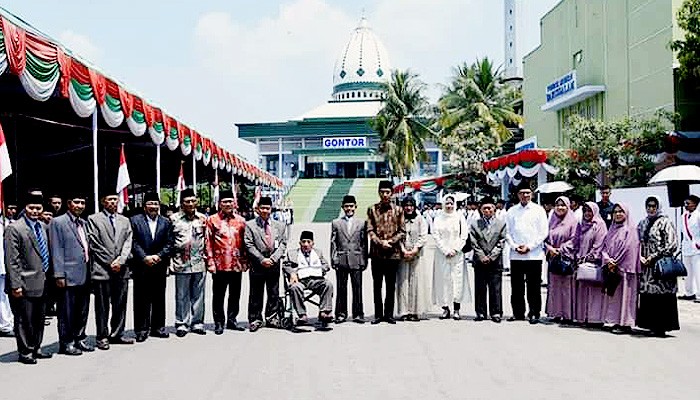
(306, 269)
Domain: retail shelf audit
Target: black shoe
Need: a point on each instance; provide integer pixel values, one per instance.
(41, 355)
(534, 320)
(413, 318)
(233, 325)
(103, 344)
(445, 313)
(496, 319)
(686, 297)
(511, 319)
(201, 331)
(456, 316)
(160, 333)
(303, 321)
(218, 329)
(69, 350)
(390, 321)
(376, 321)
(340, 319)
(621, 330)
(141, 337)
(7, 334)
(84, 346)
(479, 317)
(181, 332)
(29, 360)
(121, 340)
(255, 325)
(359, 320)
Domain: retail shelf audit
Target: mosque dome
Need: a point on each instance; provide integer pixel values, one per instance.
(361, 67)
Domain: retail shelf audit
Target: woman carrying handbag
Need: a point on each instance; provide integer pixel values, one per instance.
(658, 307)
(560, 251)
(588, 243)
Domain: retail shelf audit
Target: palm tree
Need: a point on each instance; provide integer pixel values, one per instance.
(478, 101)
(402, 123)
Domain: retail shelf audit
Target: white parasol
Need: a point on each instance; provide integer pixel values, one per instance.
(678, 173)
(554, 187)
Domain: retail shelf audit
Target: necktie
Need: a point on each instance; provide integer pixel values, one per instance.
(268, 235)
(83, 238)
(43, 248)
(111, 221)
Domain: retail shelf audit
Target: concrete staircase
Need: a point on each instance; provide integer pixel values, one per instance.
(329, 209)
(365, 192)
(318, 200)
(306, 196)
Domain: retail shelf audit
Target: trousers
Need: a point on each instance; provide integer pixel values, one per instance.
(692, 281)
(112, 294)
(189, 300)
(341, 299)
(261, 279)
(524, 272)
(7, 320)
(384, 272)
(487, 284)
(323, 287)
(223, 281)
(149, 299)
(29, 323)
(73, 309)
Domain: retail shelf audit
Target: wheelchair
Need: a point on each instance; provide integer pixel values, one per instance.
(289, 318)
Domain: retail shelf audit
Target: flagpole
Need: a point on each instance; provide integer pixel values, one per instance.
(95, 174)
(158, 170)
(194, 174)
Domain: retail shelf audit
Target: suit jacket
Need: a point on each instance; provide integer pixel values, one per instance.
(291, 263)
(349, 246)
(23, 259)
(108, 244)
(67, 251)
(256, 246)
(143, 245)
(487, 240)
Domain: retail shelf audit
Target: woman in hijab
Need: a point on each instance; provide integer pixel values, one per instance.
(450, 284)
(410, 289)
(620, 255)
(560, 242)
(588, 243)
(658, 308)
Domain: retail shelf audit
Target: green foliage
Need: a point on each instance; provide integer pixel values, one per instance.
(474, 114)
(619, 153)
(689, 47)
(402, 123)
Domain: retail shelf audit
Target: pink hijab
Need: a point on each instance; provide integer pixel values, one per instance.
(588, 240)
(622, 244)
(562, 229)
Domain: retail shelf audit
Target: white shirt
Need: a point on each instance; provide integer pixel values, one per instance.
(579, 214)
(690, 230)
(527, 225)
(501, 214)
(152, 224)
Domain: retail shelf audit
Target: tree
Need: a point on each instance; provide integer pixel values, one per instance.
(476, 112)
(689, 47)
(402, 123)
(619, 153)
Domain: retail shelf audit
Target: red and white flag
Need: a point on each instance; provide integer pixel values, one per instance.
(123, 181)
(5, 164)
(258, 195)
(215, 196)
(180, 184)
(233, 188)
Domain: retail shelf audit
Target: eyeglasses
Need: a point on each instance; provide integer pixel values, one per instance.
(652, 205)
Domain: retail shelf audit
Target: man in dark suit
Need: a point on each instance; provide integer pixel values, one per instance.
(487, 236)
(109, 237)
(27, 261)
(266, 243)
(70, 256)
(349, 258)
(151, 249)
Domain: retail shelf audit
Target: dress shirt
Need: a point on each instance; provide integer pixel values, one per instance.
(224, 243)
(527, 225)
(690, 230)
(578, 213)
(152, 225)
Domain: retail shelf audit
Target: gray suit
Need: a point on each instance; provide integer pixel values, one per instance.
(25, 270)
(319, 285)
(349, 246)
(69, 262)
(487, 241)
(108, 244)
(261, 277)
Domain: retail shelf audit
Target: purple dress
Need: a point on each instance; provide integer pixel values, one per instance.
(622, 245)
(588, 242)
(560, 292)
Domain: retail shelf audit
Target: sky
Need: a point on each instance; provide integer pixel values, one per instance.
(214, 63)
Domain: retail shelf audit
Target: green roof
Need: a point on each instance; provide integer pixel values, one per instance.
(322, 127)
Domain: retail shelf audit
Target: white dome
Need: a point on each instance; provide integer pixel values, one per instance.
(361, 67)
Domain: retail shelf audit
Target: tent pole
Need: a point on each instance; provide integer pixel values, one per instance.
(158, 170)
(94, 162)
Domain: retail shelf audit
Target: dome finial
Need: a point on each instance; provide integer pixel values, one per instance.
(363, 20)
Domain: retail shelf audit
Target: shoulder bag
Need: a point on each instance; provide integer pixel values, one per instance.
(589, 272)
(668, 267)
(560, 265)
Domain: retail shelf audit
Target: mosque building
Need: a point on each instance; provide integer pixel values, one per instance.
(335, 139)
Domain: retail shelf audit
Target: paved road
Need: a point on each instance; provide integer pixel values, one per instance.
(429, 360)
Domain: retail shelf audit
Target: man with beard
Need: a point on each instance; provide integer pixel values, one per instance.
(70, 255)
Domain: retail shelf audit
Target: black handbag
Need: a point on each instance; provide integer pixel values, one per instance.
(560, 265)
(668, 268)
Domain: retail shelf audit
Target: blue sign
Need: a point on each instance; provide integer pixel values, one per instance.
(561, 86)
(353, 142)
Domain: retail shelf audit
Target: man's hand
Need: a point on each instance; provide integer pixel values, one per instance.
(61, 283)
(148, 260)
(17, 293)
(116, 267)
(293, 279)
(386, 244)
(267, 263)
(156, 259)
(211, 269)
(522, 249)
(485, 259)
(451, 253)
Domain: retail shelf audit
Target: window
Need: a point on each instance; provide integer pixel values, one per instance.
(269, 145)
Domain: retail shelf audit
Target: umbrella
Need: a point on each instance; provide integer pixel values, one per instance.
(684, 173)
(554, 187)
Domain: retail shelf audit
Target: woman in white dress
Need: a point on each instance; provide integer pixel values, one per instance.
(411, 290)
(450, 283)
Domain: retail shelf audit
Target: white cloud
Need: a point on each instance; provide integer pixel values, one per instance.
(80, 45)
